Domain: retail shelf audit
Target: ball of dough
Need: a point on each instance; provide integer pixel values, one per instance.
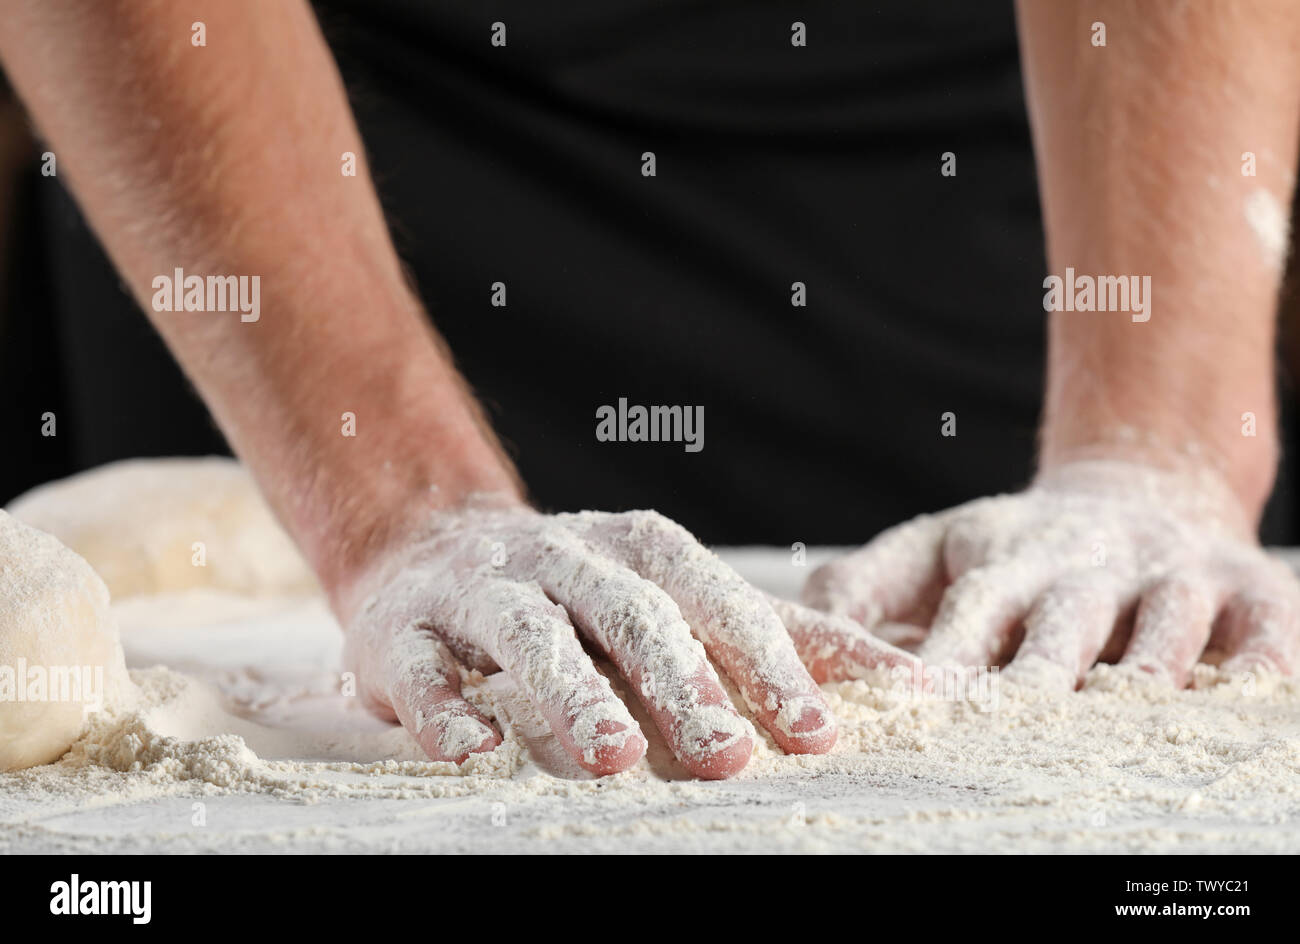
(59, 648)
(161, 525)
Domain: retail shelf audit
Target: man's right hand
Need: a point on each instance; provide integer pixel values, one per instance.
(498, 584)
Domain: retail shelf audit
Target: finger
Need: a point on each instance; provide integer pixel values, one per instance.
(641, 631)
(532, 639)
(891, 578)
(1065, 631)
(1173, 624)
(738, 628)
(982, 612)
(836, 648)
(1261, 632)
(424, 693)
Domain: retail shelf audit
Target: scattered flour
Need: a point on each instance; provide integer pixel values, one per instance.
(1271, 225)
(1093, 544)
(252, 749)
(634, 584)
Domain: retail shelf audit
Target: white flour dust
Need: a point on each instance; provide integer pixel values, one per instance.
(245, 744)
(1271, 225)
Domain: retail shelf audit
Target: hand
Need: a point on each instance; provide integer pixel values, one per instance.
(1098, 560)
(501, 585)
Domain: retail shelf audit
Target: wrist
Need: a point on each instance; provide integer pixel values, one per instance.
(1149, 482)
(352, 549)
(1231, 480)
(412, 444)
(360, 555)
(1121, 403)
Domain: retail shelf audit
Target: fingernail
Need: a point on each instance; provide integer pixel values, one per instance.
(608, 743)
(460, 735)
(805, 717)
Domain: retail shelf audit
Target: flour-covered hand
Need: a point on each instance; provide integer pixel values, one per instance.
(1098, 560)
(498, 584)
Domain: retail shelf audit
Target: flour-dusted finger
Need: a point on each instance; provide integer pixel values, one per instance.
(1261, 630)
(423, 691)
(982, 612)
(531, 638)
(895, 577)
(641, 630)
(1065, 631)
(1173, 624)
(739, 629)
(837, 649)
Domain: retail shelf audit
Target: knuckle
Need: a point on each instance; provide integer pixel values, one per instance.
(652, 524)
(827, 582)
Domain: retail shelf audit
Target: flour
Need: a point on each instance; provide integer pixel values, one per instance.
(635, 585)
(1271, 225)
(731, 617)
(251, 739)
(1158, 564)
(1126, 764)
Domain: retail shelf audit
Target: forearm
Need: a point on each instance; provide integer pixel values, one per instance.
(226, 160)
(1140, 152)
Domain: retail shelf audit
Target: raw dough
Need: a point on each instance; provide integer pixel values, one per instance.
(55, 628)
(138, 522)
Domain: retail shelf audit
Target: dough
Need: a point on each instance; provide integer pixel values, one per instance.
(59, 648)
(137, 522)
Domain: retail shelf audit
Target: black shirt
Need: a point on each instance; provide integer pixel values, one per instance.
(775, 164)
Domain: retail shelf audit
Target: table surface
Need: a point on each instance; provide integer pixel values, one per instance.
(931, 782)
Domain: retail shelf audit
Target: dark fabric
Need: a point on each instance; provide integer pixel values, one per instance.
(31, 371)
(775, 164)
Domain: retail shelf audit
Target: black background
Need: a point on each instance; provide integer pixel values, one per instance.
(775, 164)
